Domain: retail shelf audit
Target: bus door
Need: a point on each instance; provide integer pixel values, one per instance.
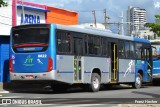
(114, 61)
(78, 52)
(148, 59)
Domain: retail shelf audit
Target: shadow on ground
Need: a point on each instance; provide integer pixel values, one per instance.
(41, 89)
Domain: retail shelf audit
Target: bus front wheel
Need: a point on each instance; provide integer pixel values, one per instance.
(95, 82)
(138, 83)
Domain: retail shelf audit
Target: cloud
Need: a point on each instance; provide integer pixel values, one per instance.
(114, 8)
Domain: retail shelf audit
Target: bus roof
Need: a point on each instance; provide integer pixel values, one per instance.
(141, 40)
(155, 40)
(88, 30)
(101, 32)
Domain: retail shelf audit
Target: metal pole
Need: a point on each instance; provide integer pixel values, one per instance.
(122, 27)
(105, 22)
(94, 15)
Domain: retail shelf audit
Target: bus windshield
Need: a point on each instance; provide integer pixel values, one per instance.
(30, 37)
(155, 50)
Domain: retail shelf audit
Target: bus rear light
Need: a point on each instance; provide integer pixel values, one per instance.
(50, 64)
(10, 65)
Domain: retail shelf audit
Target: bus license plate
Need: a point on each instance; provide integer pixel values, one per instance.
(29, 76)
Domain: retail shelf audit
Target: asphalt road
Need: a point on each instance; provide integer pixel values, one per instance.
(76, 97)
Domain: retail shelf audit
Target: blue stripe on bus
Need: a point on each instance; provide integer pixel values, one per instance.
(87, 72)
(141, 40)
(101, 72)
(53, 44)
(65, 72)
(105, 72)
(127, 73)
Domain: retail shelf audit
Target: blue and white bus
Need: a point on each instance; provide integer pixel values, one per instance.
(73, 55)
(156, 61)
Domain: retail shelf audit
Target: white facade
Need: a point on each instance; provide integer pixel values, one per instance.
(30, 17)
(146, 34)
(137, 18)
(6, 18)
(12, 15)
(98, 25)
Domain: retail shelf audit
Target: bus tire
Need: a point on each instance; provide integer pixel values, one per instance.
(95, 82)
(155, 82)
(138, 83)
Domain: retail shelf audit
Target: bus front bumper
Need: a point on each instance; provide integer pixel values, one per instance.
(33, 76)
(156, 76)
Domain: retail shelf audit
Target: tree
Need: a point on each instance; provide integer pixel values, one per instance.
(154, 26)
(2, 3)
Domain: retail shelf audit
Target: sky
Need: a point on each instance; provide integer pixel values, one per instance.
(114, 8)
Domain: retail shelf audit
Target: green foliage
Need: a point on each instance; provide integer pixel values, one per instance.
(154, 26)
(157, 16)
(3, 4)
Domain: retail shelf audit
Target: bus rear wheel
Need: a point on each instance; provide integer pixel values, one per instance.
(138, 82)
(95, 83)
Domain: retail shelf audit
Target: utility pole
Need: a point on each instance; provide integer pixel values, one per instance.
(119, 30)
(94, 15)
(122, 27)
(105, 21)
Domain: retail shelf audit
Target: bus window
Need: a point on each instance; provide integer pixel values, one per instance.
(127, 50)
(121, 49)
(154, 51)
(24, 39)
(94, 45)
(139, 52)
(104, 46)
(86, 44)
(146, 53)
(90, 45)
(63, 42)
(132, 50)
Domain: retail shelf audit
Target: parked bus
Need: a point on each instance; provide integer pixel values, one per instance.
(156, 60)
(73, 55)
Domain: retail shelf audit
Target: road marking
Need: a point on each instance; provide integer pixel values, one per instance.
(80, 105)
(60, 105)
(12, 97)
(36, 105)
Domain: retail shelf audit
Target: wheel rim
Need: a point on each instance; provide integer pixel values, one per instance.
(138, 81)
(95, 83)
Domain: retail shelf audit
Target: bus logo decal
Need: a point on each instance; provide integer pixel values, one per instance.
(129, 69)
(28, 61)
(39, 61)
